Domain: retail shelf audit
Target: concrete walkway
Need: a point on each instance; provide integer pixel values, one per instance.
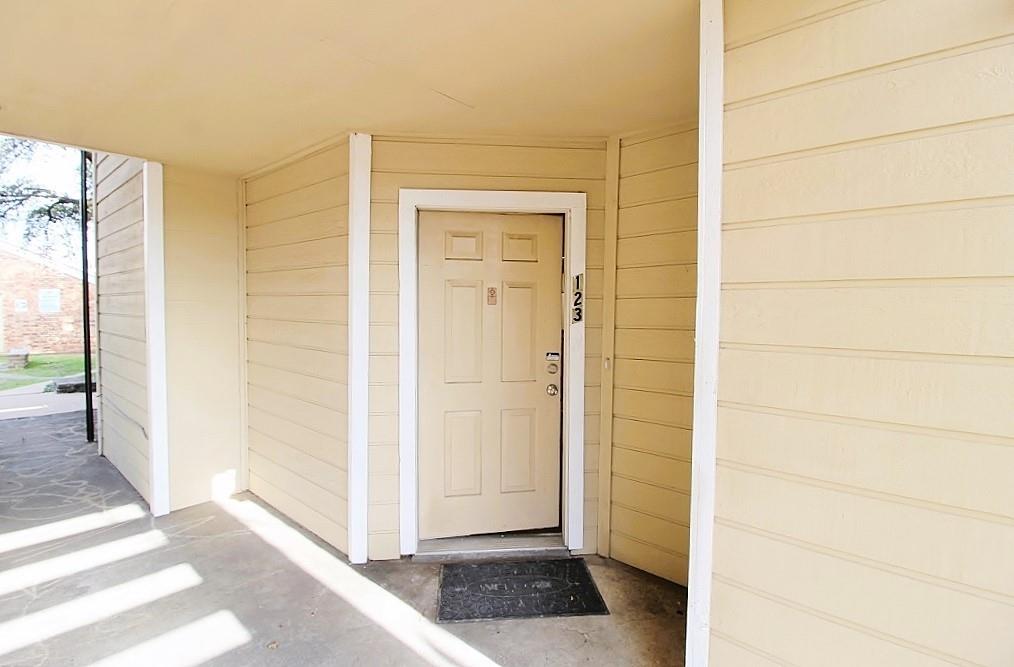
(33, 401)
(87, 577)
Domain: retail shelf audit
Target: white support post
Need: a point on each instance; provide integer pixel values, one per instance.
(155, 330)
(243, 478)
(360, 164)
(97, 350)
(709, 257)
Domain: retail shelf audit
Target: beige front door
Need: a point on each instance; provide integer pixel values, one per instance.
(490, 319)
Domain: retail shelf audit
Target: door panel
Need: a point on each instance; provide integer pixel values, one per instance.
(462, 455)
(519, 307)
(463, 331)
(489, 312)
(518, 440)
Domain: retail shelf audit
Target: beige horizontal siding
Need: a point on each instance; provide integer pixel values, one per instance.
(656, 257)
(297, 340)
(517, 164)
(122, 339)
(894, 35)
(865, 433)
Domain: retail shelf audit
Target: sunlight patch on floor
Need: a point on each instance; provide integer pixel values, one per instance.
(186, 646)
(87, 609)
(430, 642)
(34, 574)
(19, 539)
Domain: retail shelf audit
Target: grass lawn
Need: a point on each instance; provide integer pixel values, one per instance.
(40, 368)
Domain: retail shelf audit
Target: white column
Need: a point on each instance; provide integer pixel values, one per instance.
(360, 164)
(155, 333)
(709, 258)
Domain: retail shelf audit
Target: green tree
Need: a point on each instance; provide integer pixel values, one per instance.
(51, 219)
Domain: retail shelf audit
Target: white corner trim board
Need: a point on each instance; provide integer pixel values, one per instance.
(360, 164)
(709, 258)
(154, 311)
(241, 330)
(573, 206)
(97, 346)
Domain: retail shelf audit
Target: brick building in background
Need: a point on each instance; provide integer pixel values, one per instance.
(40, 303)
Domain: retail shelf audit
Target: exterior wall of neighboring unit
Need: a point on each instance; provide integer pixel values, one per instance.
(865, 511)
(405, 162)
(30, 318)
(653, 373)
(297, 340)
(119, 212)
(202, 325)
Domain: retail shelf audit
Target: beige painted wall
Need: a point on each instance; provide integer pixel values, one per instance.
(865, 510)
(655, 288)
(202, 325)
(467, 164)
(297, 340)
(120, 318)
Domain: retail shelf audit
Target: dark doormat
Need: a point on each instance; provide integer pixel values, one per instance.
(523, 589)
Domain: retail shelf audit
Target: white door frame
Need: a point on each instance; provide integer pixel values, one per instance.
(573, 206)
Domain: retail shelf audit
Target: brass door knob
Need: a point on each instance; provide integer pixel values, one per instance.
(552, 390)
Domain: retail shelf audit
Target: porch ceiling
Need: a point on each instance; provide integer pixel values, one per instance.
(231, 85)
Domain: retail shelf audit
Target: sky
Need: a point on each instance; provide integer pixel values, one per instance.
(51, 166)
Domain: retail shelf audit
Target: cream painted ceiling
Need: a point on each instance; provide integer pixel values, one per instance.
(230, 85)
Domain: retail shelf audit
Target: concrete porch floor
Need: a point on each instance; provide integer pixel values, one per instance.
(88, 577)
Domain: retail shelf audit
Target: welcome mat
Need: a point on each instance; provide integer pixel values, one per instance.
(524, 589)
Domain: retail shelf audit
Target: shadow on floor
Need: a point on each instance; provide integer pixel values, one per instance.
(87, 577)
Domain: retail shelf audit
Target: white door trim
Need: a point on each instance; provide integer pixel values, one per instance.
(360, 161)
(573, 206)
(152, 186)
(709, 289)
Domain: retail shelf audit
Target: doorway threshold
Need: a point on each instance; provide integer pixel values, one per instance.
(499, 546)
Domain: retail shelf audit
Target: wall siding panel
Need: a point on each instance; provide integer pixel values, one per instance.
(120, 320)
(403, 162)
(865, 431)
(656, 284)
(297, 340)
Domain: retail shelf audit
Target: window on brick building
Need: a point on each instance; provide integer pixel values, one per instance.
(49, 300)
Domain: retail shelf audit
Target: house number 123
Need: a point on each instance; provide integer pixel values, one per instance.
(577, 310)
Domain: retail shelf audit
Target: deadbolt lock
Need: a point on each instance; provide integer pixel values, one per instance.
(552, 369)
(552, 390)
